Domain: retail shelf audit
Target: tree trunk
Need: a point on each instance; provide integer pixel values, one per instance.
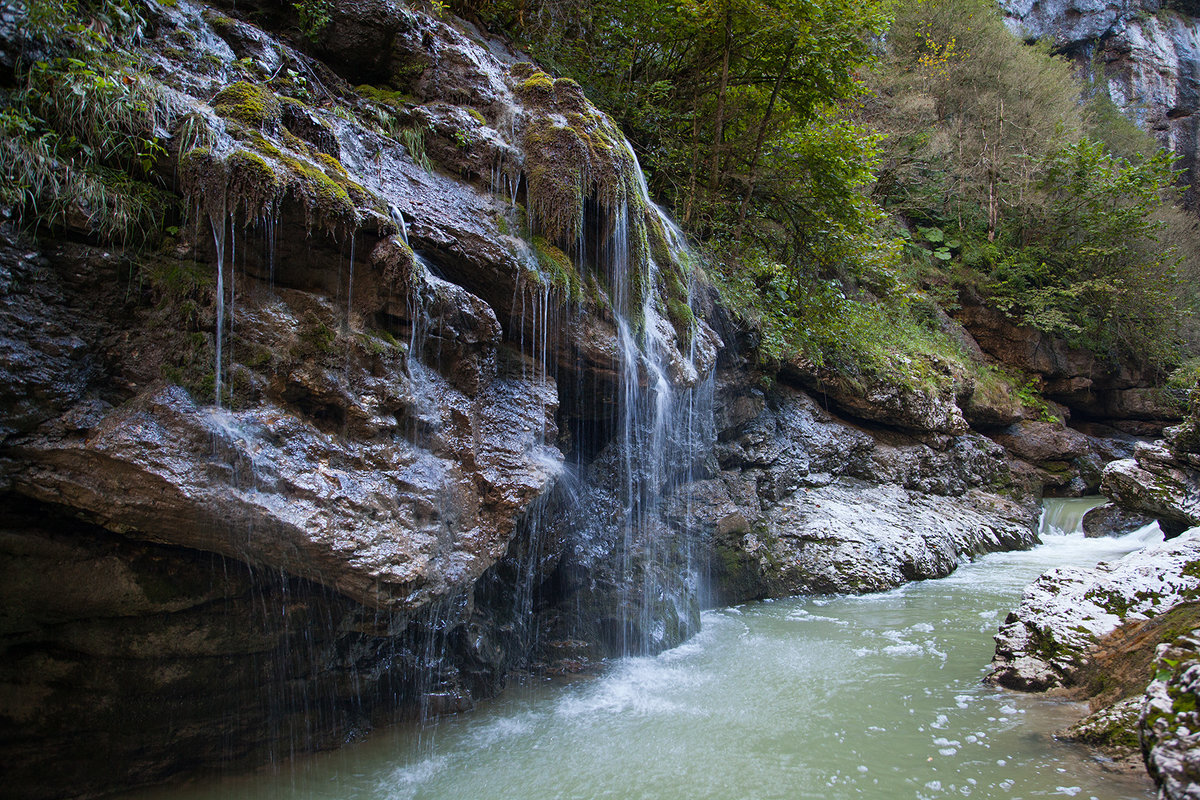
(762, 136)
(714, 176)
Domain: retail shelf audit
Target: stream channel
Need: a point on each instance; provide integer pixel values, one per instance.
(811, 697)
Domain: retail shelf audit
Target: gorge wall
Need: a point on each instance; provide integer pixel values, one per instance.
(1144, 54)
(423, 391)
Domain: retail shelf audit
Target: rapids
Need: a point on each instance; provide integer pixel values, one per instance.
(829, 697)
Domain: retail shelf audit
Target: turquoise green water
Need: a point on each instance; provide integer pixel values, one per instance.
(832, 697)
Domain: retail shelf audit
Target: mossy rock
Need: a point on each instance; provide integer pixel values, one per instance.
(1113, 729)
(251, 104)
(302, 122)
(522, 70)
(556, 266)
(568, 94)
(383, 96)
(537, 90)
(259, 143)
(326, 201)
(253, 183)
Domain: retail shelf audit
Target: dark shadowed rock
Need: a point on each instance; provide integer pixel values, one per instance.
(1113, 520)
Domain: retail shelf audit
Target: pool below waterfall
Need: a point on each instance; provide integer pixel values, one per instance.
(814, 697)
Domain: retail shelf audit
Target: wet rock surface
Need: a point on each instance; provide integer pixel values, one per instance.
(1169, 724)
(1112, 520)
(354, 468)
(805, 501)
(395, 432)
(142, 650)
(1161, 480)
(1047, 641)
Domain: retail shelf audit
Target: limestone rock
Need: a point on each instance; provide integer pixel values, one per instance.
(1112, 728)
(1042, 442)
(1044, 643)
(1156, 483)
(853, 537)
(884, 401)
(808, 502)
(1170, 719)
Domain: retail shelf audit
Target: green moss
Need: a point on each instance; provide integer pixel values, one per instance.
(387, 97)
(251, 104)
(556, 266)
(253, 183)
(316, 338)
(1045, 645)
(477, 116)
(325, 199)
(220, 23)
(333, 167)
(569, 95)
(682, 318)
(537, 87)
(261, 144)
(1110, 601)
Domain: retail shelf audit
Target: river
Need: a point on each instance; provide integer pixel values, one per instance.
(815, 697)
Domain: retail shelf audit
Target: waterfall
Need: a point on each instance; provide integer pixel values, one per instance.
(630, 560)
(218, 232)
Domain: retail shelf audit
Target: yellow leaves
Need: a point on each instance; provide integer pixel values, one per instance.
(935, 58)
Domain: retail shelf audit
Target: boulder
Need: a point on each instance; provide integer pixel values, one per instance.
(913, 408)
(1169, 725)
(1113, 520)
(808, 502)
(1046, 642)
(1157, 484)
(853, 537)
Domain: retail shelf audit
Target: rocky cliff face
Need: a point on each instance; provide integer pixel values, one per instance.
(1146, 53)
(415, 395)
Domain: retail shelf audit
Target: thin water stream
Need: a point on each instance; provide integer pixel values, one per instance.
(826, 697)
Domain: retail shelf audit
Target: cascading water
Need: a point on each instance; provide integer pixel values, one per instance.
(218, 232)
(636, 583)
(1065, 515)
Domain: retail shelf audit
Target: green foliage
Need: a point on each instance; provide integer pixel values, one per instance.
(315, 17)
(731, 106)
(1088, 260)
(79, 146)
(413, 139)
(985, 159)
(814, 320)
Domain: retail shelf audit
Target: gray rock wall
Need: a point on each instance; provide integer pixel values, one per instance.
(1145, 53)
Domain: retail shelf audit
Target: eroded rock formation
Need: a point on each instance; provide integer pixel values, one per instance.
(1046, 641)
